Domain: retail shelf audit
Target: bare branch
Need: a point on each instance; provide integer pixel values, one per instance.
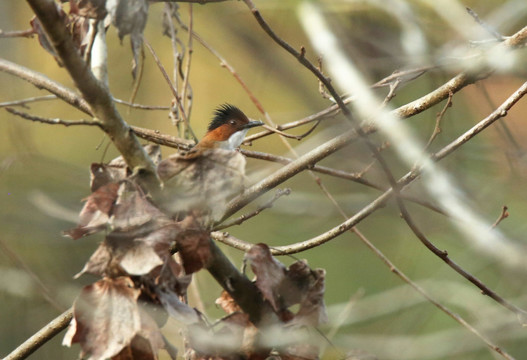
(427, 296)
(162, 139)
(504, 214)
(41, 337)
(17, 33)
(54, 121)
(15, 258)
(439, 117)
(94, 92)
(326, 113)
(485, 26)
(24, 102)
(177, 98)
(303, 162)
(41, 81)
(140, 106)
(267, 205)
(186, 95)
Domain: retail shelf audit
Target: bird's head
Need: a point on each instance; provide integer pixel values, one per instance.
(227, 129)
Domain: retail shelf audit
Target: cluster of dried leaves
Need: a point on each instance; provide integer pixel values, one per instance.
(128, 16)
(142, 282)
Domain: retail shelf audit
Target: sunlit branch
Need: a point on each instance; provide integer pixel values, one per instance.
(52, 121)
(267, 205)
(24, 102)
(17, 33)
(94, 92)
(41, 337)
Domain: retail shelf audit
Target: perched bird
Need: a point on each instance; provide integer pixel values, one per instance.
(227, 129)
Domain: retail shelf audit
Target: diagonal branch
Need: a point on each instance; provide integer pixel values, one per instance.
(41, 81)
(41, 337)
(93, 91)
(303, 162)
(54, 121)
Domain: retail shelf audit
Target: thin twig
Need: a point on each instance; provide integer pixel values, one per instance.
(140, 106)
(45, 334)
(224, 63)
(430, 299)
(439, 117)
(504, 214)
(391, 93)
(267, 205)
(54, 121)
(96, 94)
(394, 184)
(46, 293)
(321, 115)
(403, 76)
(172, 88)
(41, 81)
(24, 102)
(17, 33)
(484, 25)
(186, 95)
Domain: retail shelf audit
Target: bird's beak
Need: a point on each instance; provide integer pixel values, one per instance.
(253, 123)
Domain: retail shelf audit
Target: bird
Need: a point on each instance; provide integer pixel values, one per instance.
(227, 129)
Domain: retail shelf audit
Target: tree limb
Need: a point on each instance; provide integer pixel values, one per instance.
(42, 336)
(93, 91)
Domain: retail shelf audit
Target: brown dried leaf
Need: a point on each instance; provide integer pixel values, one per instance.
(194, 248)
(299, 279)
(95, 9)
(132, 209)
(102, 174)
(99, 263)
(312, 310)
(270, 273)
(106, 318)
(42, 37)
(96, 212)
(80, 27)
(283, 287)
(146, 344)
(132, 252)
(202, 181)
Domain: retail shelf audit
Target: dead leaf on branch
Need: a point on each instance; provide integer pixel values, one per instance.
(94, 9)
(104, 174)
(283, 287)
(312, 310)
(133, 209)
(132, 252)
(95, 214)
(105, 318)
(193, 245)
(146, 344)
(270, 274)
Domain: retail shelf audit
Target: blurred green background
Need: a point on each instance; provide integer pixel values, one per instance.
(44, 175)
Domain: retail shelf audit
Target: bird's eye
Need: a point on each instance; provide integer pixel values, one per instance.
(232, 122)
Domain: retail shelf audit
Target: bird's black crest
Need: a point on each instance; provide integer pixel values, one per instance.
(224, 113)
